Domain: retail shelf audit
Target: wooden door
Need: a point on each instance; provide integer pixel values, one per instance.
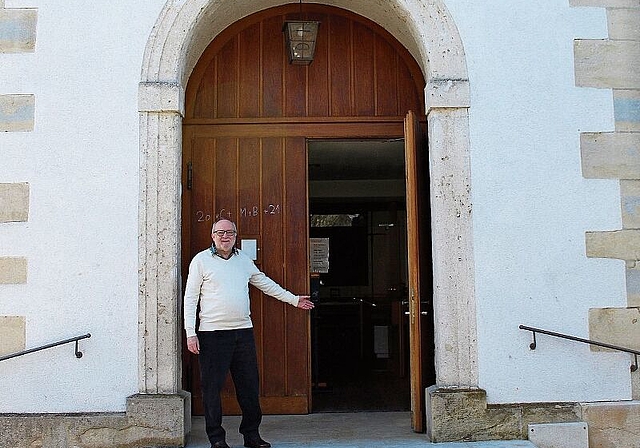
(247, 114)
(260, 183)
(412, 143)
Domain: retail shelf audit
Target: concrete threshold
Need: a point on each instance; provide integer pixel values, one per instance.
(339, 430)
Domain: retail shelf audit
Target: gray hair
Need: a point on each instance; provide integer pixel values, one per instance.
(213, 228)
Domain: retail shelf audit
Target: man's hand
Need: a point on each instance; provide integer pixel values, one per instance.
(304, 303)
(193, 344)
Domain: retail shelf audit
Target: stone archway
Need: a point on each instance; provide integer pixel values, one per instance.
(182, 32)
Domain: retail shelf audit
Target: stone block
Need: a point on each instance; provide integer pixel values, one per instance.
(613, 425)
(623, 24)
(12, 334)
(18, 30)
(633, 285)
(160, 97)
(13, 270)
(619, 244)
(539, 413)
(559, 435)
(14, 202)
(447, 93)
(630, 203)
(605, 3)
(455, 414)
(616, 326)
(626, 109)
(607, 155)
(607, 64)
(17, 113)
(150, 421)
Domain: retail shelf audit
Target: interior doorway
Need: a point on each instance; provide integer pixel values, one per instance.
(360, 326)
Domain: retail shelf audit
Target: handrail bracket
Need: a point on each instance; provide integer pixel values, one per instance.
(533, 345)
(78, 352)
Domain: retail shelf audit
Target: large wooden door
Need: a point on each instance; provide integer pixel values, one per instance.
(411, 145)
(260, 183)
(247, 114)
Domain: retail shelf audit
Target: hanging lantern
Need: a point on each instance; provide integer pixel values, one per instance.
(301, 39)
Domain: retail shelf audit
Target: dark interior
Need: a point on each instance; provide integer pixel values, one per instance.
(359, 330)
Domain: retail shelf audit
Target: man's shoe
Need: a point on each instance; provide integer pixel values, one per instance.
(256, 443)
(220, 444)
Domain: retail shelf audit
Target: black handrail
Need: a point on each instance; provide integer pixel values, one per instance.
(532, 346)
(78, 353)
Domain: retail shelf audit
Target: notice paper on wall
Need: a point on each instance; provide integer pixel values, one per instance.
(250, 247)
(319, 255)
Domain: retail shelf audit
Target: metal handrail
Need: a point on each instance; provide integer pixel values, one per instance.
(78, 353)
(532, 346)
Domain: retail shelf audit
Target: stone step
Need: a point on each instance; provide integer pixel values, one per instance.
(485, 444)
(559, 435)
(338, 430)
(407, 444)
(363, 443)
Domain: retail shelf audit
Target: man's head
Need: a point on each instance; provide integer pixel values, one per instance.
(223, 234)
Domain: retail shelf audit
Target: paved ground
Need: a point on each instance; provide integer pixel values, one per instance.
(338, 430)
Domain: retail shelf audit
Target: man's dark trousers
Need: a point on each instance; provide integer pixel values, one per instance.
(229, 351)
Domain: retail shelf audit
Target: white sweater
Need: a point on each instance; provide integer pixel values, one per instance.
(222, 288)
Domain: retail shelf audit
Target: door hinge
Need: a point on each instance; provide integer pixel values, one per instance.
(189, 176)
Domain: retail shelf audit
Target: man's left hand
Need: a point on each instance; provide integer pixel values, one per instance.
(304, 303)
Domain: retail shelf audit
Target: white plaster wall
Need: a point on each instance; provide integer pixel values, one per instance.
(531, 204)
(81, 162)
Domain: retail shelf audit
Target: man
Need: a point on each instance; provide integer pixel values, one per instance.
(219, 279)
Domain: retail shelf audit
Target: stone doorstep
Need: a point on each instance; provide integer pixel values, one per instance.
(488, 444)
(559, 435)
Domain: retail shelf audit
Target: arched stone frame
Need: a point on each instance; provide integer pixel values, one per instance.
(182, 32)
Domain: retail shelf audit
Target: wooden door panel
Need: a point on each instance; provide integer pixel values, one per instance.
(249, 72)
(317, 78)
(296, 243)
(340, 75)
(364, 69)
(249, 170)
(412, 140)
(386, 88)
(260, 183)
(359, 69)
(272, 69)
(248, 154)
(227, 77)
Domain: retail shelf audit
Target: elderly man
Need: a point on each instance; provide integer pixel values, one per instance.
(219, 279)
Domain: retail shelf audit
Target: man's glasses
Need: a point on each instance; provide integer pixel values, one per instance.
(225, 232)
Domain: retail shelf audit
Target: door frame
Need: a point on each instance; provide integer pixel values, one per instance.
(179, 36)
(343, 128)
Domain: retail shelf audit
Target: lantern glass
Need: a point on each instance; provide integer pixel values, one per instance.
(301, 41)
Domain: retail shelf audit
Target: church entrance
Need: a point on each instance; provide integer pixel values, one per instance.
(262, 142)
